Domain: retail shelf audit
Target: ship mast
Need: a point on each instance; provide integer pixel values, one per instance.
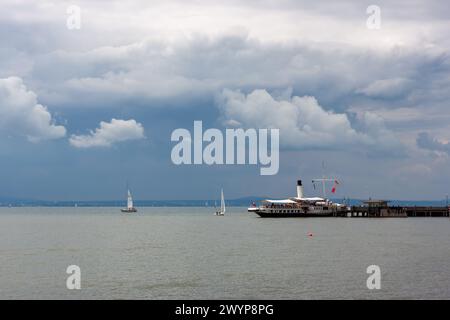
(323, 180)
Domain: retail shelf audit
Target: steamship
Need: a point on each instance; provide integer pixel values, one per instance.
(299, 206)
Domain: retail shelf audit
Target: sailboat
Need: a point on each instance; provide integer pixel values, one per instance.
(130, 207)
(221, 212)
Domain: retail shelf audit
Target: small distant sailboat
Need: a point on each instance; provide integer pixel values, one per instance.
(130, 208)
(221, 212)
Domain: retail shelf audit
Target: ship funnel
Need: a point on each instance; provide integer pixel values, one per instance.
(299, 189)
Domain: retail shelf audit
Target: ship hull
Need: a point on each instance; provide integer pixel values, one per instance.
(263, 214)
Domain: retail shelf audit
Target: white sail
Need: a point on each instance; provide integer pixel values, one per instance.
(222, 202)
(129, 201)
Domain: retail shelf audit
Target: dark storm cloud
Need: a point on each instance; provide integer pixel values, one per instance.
(425, 141)
(165, 70)
(164, 63)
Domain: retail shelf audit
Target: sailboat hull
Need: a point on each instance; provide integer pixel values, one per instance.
(131, 210)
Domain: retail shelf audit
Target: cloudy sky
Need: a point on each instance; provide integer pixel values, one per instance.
(82, 111)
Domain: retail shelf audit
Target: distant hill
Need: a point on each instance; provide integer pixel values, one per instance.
(240, 202)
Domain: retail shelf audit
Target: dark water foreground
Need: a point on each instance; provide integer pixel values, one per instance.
(187, 253)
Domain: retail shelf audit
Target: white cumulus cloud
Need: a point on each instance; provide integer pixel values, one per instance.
(303, 123)
(109, 133)
(22, 115)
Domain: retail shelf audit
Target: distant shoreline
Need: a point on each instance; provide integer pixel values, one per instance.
(242, 202)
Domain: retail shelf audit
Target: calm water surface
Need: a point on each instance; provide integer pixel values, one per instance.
(187, 253)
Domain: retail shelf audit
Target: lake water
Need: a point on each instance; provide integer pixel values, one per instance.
(187, 253)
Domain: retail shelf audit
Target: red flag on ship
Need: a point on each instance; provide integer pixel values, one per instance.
(333, 190)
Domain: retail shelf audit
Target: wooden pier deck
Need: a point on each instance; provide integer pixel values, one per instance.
(385, 211)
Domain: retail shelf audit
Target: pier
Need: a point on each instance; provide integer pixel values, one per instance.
(381, 209)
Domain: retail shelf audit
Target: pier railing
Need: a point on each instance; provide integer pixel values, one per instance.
(398, 211)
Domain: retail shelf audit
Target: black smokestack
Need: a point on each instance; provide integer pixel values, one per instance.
(299, 189)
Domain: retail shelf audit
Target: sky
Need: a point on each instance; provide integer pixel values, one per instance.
(86, 111)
